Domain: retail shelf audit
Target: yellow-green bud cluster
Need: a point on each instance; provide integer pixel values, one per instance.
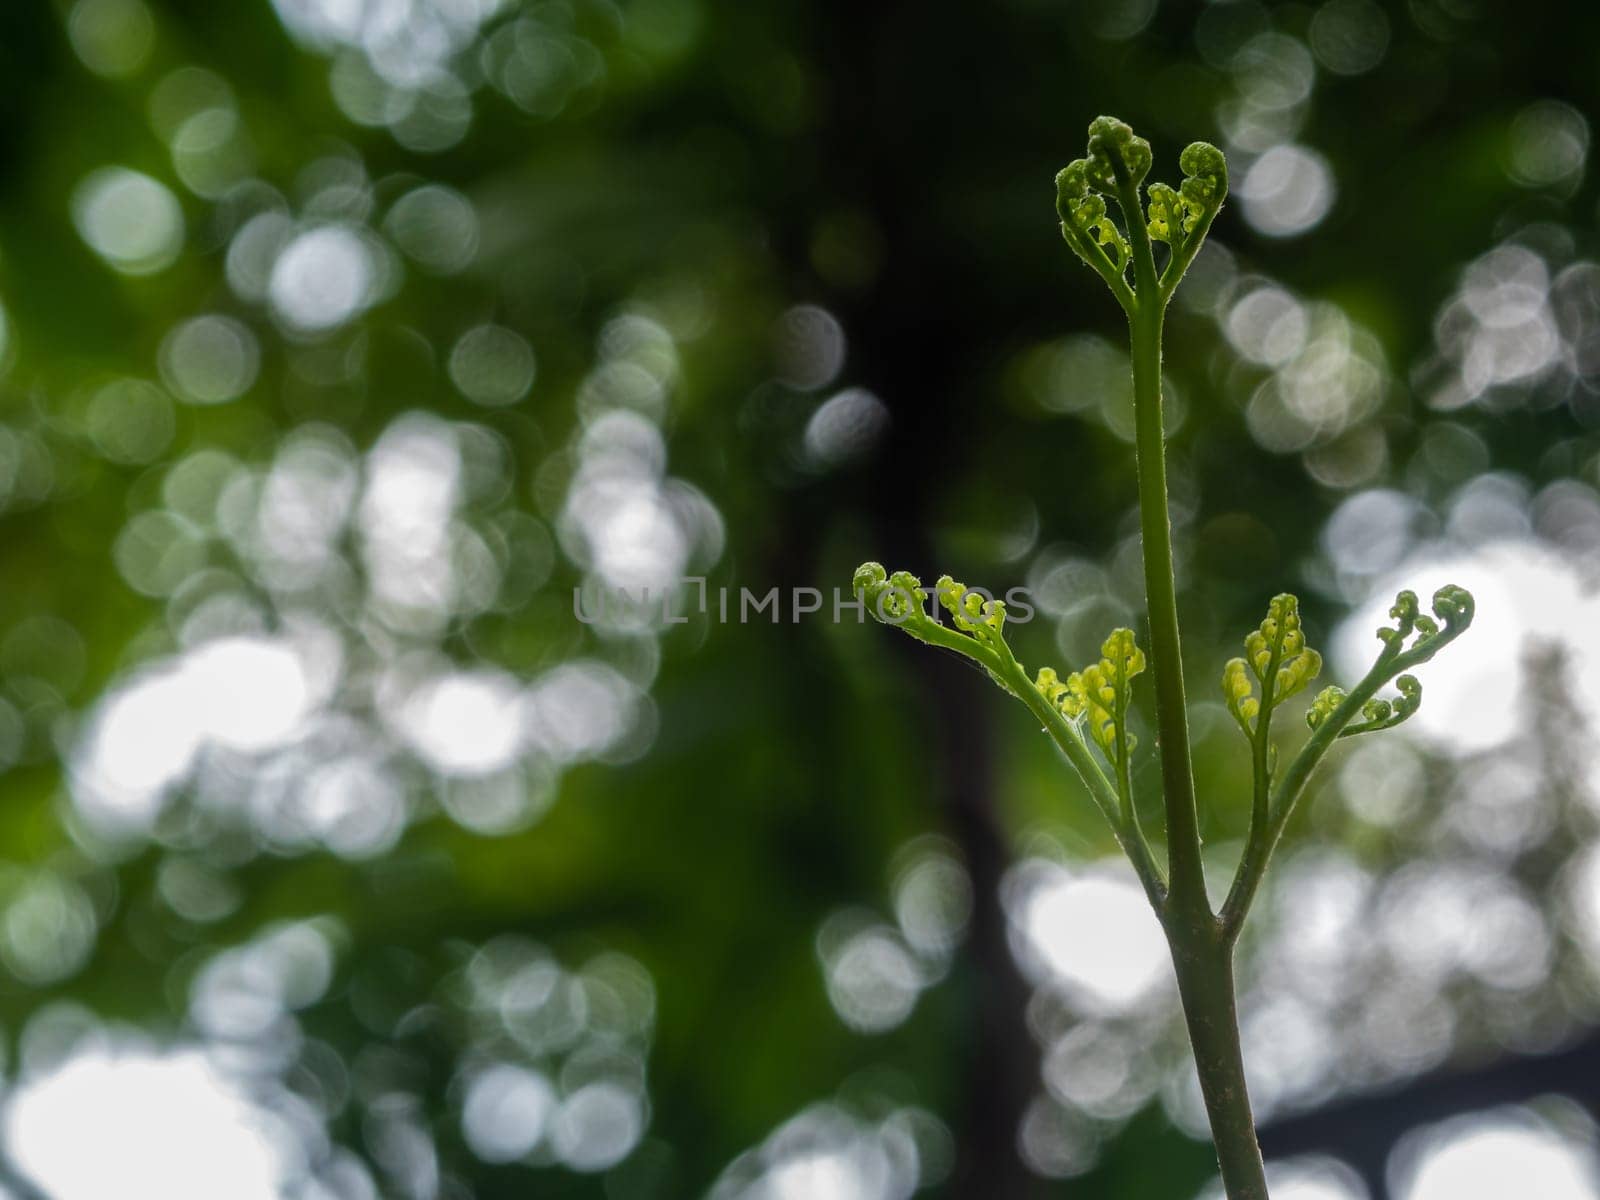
(900, 599)
(1165, 213)
(973, 613)
(970, 611)
(1101, 692)
(1328, 699)
(1240, 693)
(1051, 687)
(1083, 215)
(1277, 655)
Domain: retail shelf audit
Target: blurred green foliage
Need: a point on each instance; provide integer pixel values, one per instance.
(706, 169)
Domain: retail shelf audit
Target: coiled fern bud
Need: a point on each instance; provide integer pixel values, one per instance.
(1114, 166)
(1205, 183)
(900, 599)
(1114, 148)
(1453, 610)
(893, 599)
(1413, 639)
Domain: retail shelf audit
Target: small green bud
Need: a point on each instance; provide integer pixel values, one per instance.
(868, 575)
(1090, 213)
(1410, 696)
(1239, 694)
(951, 595)
(902, 599)
(1123, 653)
(1205, 181)
(1328, 699)
(1295, 674)
(1099, 703)
(1087, 217)
(1455, 607)
(1258, 650)
(1076, 701)
(1404, 614)
(1072, 184)
(1165, 214)
(1050, 686)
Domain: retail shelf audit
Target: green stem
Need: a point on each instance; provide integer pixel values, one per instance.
(1204, 963)
(1202, 953)
(1166, 657)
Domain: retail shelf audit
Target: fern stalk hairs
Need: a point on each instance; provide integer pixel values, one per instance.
(1087, 712)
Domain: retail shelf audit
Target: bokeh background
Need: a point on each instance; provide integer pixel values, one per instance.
(340, 340)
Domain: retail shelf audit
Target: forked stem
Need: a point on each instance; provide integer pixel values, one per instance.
(1089, 708)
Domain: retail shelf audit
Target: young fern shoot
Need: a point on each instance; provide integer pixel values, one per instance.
(1086, 714)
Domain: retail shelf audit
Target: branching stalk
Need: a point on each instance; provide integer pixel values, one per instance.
(1087, 713)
